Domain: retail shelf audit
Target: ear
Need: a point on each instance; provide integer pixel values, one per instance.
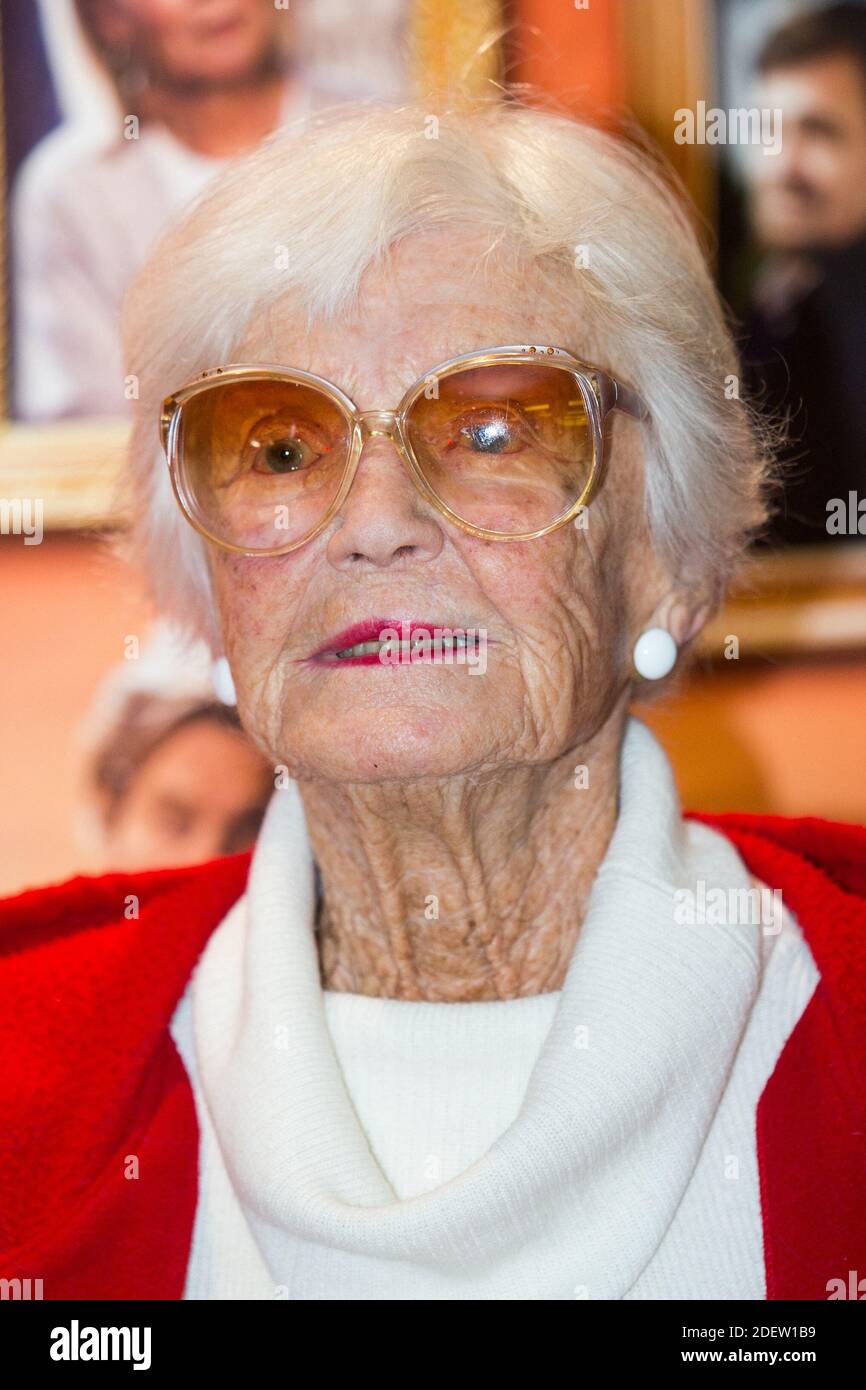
(682, 615)
(677, 617)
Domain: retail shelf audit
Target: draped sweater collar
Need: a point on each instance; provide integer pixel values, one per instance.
(617, 1108)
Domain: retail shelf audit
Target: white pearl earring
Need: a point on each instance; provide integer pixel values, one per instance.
(655, 653)
(221, 678)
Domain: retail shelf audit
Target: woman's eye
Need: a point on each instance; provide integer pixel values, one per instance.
(281, 454)
(285, 456)
(490, 434)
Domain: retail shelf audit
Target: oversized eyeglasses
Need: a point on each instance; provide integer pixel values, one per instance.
(507, 443)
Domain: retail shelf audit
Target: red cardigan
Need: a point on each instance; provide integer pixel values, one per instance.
(98, 1130)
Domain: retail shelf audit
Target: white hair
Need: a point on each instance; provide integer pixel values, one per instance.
(593, 212)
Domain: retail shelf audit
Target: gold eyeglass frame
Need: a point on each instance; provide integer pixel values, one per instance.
(602, 393)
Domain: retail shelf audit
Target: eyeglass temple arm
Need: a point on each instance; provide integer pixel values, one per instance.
(169, 406)
(613, 395)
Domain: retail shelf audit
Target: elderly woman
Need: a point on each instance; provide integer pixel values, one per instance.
(454, 471)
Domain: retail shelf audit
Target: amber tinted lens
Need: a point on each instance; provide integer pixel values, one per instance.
(259, 462)
(508, 447)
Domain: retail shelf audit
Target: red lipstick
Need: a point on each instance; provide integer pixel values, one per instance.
(397, 642)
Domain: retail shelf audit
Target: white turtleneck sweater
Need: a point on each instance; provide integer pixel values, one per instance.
(595, 1143)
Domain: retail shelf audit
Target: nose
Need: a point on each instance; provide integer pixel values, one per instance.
(788, 162)
(384, 519)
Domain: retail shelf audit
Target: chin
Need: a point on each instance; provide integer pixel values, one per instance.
(231, 60)
(392, 743)
(785, 232)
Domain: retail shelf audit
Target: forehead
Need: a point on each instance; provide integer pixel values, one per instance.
(832, 84)
(435, 296)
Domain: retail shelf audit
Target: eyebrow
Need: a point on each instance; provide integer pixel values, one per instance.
(348, 381)
(822, 124)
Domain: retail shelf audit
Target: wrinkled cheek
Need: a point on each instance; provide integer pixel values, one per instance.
(257, 598)
(253, 624)
(240, 586)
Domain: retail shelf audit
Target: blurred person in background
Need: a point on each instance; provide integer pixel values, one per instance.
(204, 81)
(171, 778)
(806, 344)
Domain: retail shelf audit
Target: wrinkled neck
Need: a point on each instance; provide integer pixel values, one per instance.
(463, 888)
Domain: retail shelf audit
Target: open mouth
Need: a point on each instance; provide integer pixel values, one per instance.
(436, 648)
(400, 643)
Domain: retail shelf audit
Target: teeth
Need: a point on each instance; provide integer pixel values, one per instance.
(424, 643)
(360, 649)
